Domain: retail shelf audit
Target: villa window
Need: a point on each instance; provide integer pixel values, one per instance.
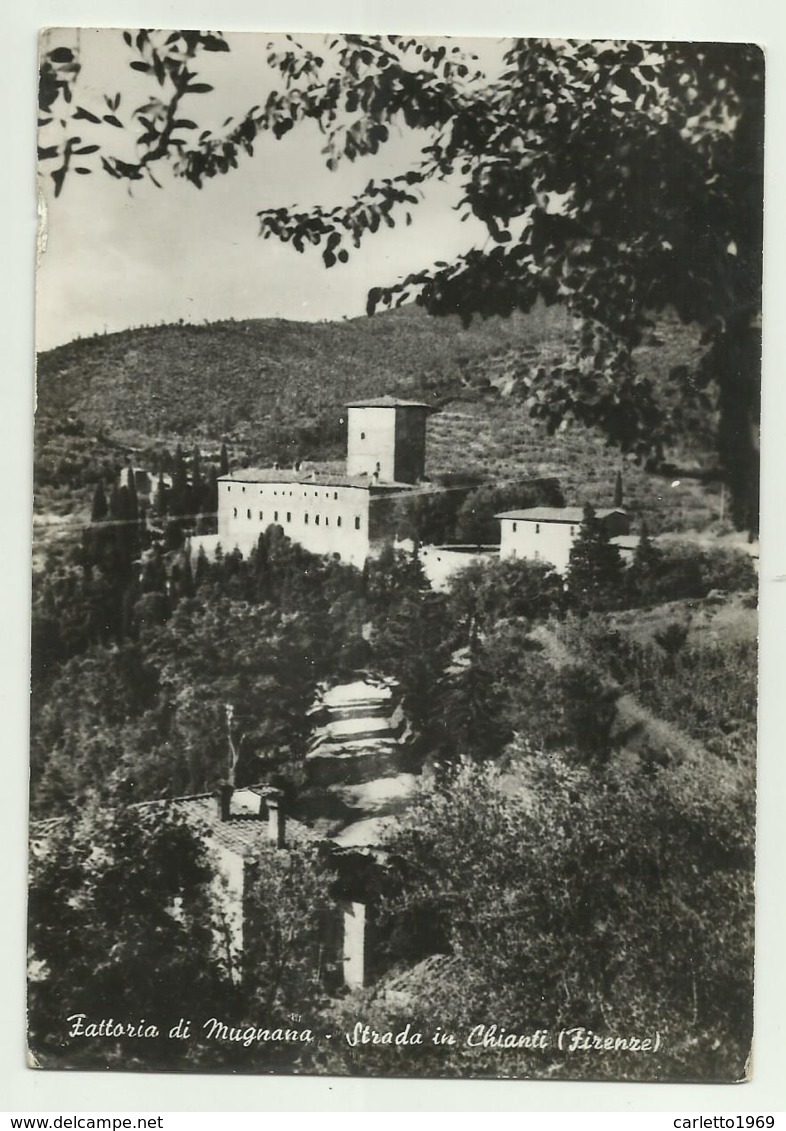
(261, 516)
(275, 516)
(327, 520)
(316, 520)
(289, 516)
(305, 519)
(234, 512)
(537, 528)
(357, 522)
(515, 527)
(362, 435)
(335, 494)
(248, 513)
(338, 521)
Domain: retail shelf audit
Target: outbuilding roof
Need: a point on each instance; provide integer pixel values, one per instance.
(388, 402)
(242, 833)
(556, 514)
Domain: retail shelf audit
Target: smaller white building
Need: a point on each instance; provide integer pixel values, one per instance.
(441, 563)
(547, 534)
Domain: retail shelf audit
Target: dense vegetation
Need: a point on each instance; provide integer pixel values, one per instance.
(134, 675)
(102, 402)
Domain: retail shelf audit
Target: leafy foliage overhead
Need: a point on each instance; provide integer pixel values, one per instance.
(617, 177)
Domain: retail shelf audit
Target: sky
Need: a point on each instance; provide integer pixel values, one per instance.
(118, 255)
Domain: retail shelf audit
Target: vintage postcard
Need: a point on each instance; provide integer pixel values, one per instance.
(395, 561)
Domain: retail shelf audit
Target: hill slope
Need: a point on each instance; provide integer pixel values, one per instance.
(206, 381)
(275, 389)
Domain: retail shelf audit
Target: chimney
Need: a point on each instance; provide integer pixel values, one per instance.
(276, 817)
(224, 798)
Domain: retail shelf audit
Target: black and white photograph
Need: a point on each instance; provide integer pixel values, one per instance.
(395, 561)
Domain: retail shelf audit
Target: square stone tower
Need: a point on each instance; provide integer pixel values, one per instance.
(386, 439)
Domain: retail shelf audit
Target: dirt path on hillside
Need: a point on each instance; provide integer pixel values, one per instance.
(635, 728)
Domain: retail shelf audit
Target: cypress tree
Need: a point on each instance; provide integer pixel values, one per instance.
(154, 579)
(133, 498)
(186, 578)
(202, 570)
(595, 570)
(471, 708)
(646, 564)
(100, 508)
(161, 501)
(179, 502)
(197, 485)
(223, 461)
(210, 505)
(115, 504)
(618, 490)
(262, 572)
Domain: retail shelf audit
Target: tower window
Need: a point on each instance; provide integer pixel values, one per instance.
(316, 520)
(335, 494)
(357, 522)
(362, 435)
